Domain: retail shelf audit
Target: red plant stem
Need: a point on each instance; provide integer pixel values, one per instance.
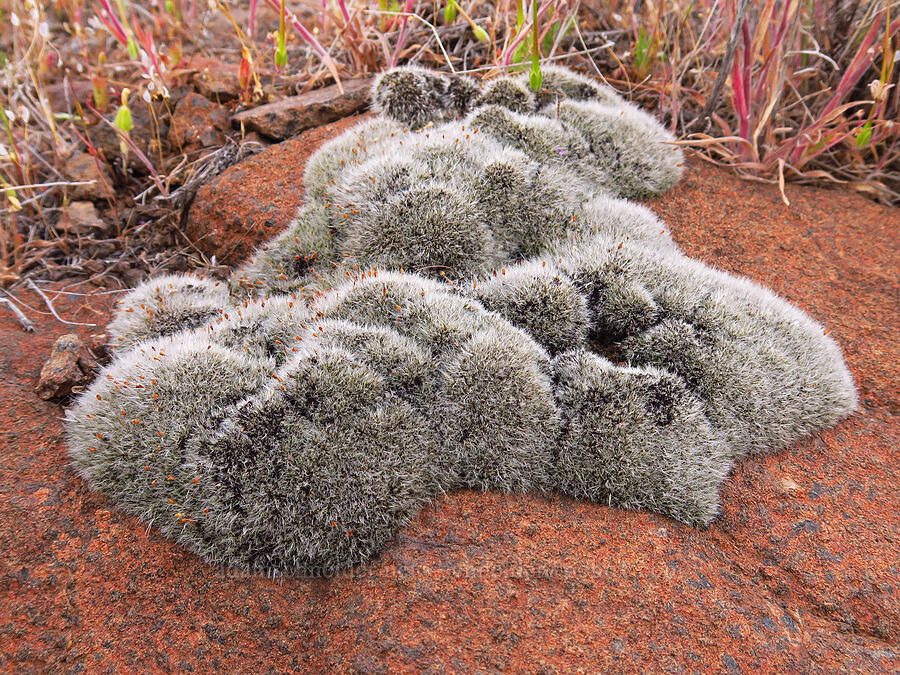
(401, 39)
(774, 48)
(747, 67)
(739, 73)
(301, 29)
(252, 21)
(113, 23)
(146, 41)
(344, 11)
(857, 68)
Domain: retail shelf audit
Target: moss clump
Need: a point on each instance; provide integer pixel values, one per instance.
(666, 458)
(508, 92)
(295, 424)
(297, 259)
(540, 300)
(349, 149)
(636, 154)
(165, 305)
(411, 96)
(319, 470)
(494, 373)
(766, 372)
(429, 228)
(559, 83)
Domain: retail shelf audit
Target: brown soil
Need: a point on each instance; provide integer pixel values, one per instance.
(800, 573)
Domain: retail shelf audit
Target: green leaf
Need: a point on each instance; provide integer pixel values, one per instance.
(640, 48)
(522, 51)
(535, 78)
(864, 135)
(133, 50)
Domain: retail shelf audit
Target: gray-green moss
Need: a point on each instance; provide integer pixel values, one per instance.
(467, 299)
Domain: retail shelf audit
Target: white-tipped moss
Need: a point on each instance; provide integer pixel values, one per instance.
(131, 432)
(295, 430)
(540, 202)
(498, 413)
(294, 260)
(540, 300)
(507, 92)
(264, 328)
(416, 97)
(349, 149)
(426, 311)
(636, 438)
(544, 140)
(766, 372)
(431, 229)
(165, 305)
(409, 369)
(559, 83)
(462, 92)
(411, 95)
(628, 146)
(623, 221)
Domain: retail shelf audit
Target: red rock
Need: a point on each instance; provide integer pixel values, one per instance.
(215, 80)
(66, 369)
(80, 218)
(289, 116)
(254, 200)
(83, 168)
(799, 575)
(197, 123)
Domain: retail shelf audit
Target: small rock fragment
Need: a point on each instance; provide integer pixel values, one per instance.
(66, 368)
(62, 96)
(291, 115)
(216, 81)
(83, 168)
(197, 123)
(80, 218)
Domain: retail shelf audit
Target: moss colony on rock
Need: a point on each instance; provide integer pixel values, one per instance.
(468, 298)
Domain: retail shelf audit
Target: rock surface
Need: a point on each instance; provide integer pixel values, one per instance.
(63, 96)
(254, 200)
(215, 80)
(83, 168)
(290, 116)
(197, 123)
(80, 218)
(67, 368)
(799, 574)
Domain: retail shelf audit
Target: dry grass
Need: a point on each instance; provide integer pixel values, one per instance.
(782, 90)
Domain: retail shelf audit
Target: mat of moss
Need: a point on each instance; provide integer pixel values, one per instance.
(467, 298)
